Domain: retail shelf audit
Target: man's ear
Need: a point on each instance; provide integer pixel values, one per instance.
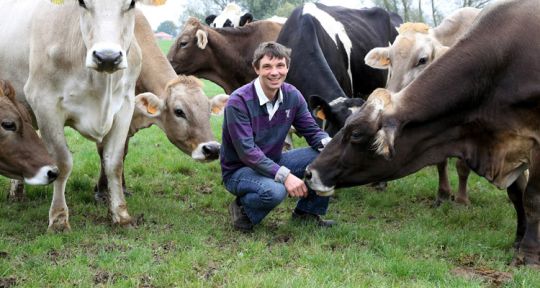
(149, 104)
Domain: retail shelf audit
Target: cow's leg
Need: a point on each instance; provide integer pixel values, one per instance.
(529, 248)
(112, 161)
(101, 189)
(515, 193)
(463, 172)
(52, 132)
(16, 191)
(444, 193)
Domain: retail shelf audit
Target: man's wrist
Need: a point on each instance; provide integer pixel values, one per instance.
(282, 174)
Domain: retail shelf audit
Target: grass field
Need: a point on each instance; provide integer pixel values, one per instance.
(393, 238)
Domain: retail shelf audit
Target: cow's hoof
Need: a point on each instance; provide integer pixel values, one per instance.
(463, 201)
(530, 259)
(59, 226)
(442, 199)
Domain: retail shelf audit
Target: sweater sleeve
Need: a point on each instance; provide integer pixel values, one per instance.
(305, 125)
(241, 133)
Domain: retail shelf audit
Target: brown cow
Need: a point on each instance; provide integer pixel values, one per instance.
(23, 154)
(222, 55)
(479, 102)
(417, 46)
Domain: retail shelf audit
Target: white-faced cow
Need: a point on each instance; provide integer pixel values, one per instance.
(480, 101)
(231, 16)
(328, 45)
(23, 154)
(176, 104)
(222, 56)
(414, 49)
(78, 62)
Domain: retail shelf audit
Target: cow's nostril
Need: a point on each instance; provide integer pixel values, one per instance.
(53, 173)
(210, 151)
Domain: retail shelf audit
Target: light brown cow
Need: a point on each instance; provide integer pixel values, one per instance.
(417, 46)
(23, 154)
(176, 104)
(78, 64)
(222, 56)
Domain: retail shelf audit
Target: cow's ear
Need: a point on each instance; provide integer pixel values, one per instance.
(439, 51)
(209, 19)
(149, 104)
(7, 89)
(202, 38)
(217, 103)
(321, 109)
(378, 58)
(245, 19)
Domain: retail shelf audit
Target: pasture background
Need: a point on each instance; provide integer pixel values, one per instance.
(184, 238)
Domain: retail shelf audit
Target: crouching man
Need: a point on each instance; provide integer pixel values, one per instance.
(257, 118)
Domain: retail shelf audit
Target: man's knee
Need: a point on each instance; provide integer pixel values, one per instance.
(272, 196)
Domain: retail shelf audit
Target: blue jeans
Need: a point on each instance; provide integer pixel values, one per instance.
(259, 194)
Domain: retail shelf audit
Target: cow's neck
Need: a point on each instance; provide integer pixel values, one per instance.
(234, 60)
(156, 71)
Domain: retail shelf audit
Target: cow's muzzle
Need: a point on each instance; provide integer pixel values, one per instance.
(313, 181)
(105, 57)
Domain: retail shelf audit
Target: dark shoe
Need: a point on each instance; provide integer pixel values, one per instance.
(240, 220)
(312, 218)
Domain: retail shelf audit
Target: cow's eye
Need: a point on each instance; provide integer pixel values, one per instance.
(183, 44)
(358, 137)
(132, 4)
(9, 125)
(422, 61)
(179, 113)
(82, 4)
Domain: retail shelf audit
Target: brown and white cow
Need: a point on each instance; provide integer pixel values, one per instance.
(23, 154)
(479, 102)
(78, 62)
(222, 55)
(417, 46)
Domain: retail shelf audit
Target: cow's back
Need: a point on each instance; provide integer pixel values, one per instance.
(315, 57)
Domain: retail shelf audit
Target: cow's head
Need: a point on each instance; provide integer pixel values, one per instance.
(231, 16)
(413, 50)
(189, 52)
(184, 116)
(107, 31)
(23, 154)
(335, 113)
(359, 151)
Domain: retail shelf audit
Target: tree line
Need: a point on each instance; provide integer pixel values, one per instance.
(427, 11)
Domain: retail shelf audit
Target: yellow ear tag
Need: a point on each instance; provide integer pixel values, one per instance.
(320, 114)
(215, 110)
(159, 2)
(58, 2)
(384, 61)
(151, 109)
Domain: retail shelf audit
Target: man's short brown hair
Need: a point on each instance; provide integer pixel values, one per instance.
(271, 49)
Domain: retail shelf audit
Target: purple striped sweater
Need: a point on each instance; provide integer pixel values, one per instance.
(249, 138)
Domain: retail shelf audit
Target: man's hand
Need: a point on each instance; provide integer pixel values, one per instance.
(295, 186)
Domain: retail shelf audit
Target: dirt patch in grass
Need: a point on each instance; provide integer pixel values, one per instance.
(205, 188)
(8, 282)
(493, 277)
(104, 277)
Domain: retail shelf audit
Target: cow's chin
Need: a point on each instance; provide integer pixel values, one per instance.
(326, 193)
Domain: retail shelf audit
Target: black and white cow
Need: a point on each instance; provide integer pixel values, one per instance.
(328, 45)
(231, 16)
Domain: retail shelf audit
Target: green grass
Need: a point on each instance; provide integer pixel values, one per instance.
(184, 238)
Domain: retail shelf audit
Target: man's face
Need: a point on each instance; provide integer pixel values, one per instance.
(272, 73)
